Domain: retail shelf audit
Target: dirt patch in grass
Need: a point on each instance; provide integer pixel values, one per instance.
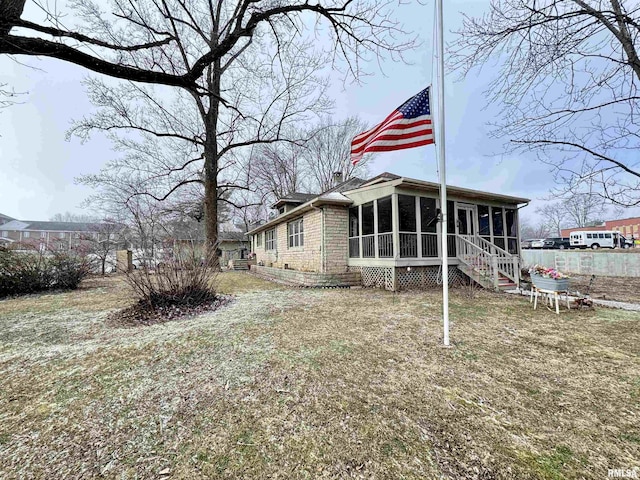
(290, 383)
(621, 289)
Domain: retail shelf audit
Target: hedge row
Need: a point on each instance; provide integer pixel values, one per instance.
(22, 273)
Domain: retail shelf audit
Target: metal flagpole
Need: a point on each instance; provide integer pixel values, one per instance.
(443, 177)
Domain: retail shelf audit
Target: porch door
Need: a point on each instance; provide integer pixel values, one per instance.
(465, 224)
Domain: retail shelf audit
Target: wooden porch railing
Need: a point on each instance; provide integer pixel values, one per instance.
(507, 263)
(487, 258)
(471, 254)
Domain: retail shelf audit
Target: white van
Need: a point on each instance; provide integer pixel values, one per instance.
(598, 239)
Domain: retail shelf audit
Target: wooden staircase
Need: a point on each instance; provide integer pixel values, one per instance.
(238, 264)
(487, 264)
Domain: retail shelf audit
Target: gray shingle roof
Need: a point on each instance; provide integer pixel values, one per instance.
(347, 185)
(233, 237)
(299, 197)
(51, 226)
(5, 218)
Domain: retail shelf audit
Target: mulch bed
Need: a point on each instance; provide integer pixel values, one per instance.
(141, 314)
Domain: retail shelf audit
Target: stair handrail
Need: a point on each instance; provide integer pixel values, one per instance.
(498, 249)
(509, 267)
(463, 245)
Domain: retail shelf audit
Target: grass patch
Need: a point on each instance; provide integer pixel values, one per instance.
(288, 383)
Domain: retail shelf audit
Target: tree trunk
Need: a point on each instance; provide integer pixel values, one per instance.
(211, 164)
(211, 198)
(10, 12)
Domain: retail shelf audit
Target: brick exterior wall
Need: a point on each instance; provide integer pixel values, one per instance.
(628, 227)
(309, 258)
(336, 234)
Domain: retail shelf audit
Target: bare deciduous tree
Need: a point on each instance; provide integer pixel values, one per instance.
(277, 170)
(583, 209)
(192, 44)
(103, 239)
(73, 217)
(328, 151)
(568, 82)
(553, 217)
(533, 230)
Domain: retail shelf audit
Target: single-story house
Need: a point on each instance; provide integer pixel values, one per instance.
(232, 246)
(386, 232)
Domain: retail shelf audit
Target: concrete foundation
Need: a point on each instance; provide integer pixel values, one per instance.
(308, 279)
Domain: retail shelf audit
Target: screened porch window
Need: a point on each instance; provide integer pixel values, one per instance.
(429, 227)
(498, 227)
(368, 238)
(484, 221)
(385, 228)
(511, 230)
(354, 232)
(408, 226)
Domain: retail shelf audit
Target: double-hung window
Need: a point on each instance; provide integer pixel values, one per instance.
(295, 231)
(270, 239)
(259, 239)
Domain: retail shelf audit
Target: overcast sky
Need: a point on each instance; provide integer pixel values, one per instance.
(38, 166)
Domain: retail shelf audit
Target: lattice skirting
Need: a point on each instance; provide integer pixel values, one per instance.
(415, 278)
(378, 277)
(424, 277)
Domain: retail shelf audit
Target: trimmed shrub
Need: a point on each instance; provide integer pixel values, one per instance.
(68, 270)
(22, 273)
(186, 281)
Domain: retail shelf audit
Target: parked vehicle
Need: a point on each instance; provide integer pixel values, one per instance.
(598, 239)
(557, 242)
(537, 243)
(95, 263)
(624, 242)
(526, 243)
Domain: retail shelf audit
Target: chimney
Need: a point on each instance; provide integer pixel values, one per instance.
(337, 178)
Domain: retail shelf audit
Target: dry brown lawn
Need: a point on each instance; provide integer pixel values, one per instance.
(291, 383)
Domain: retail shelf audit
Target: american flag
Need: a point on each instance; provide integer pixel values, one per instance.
(408, 126)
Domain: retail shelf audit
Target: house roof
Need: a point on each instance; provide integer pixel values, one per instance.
(232, 237)
(414, 183)
(329, 198)
(383, 177)
(28, 225)
(300, 198)
(347, 185)
(5, 218)
(294, 197)
(335, 195)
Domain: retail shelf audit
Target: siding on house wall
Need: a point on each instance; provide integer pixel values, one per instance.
(309, 258)
(305, 258)
(336, 224)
